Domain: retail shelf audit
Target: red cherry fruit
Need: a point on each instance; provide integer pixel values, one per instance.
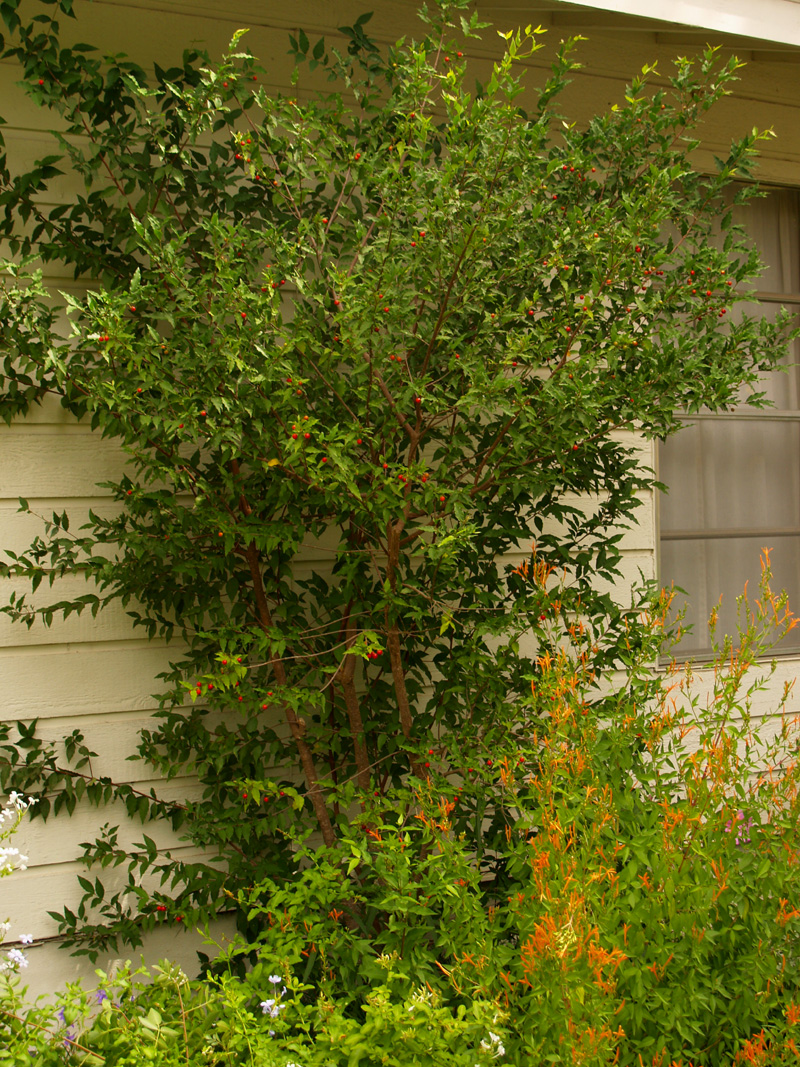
(358, 441)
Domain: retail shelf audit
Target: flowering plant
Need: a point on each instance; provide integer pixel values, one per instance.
(355, 356)
(11, 860)
(634, 887)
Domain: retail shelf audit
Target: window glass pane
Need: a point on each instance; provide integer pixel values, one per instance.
(731, 474)
(773, 223)
(781, 387)
(714, 568)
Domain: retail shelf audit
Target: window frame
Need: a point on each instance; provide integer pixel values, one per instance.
(789, 300)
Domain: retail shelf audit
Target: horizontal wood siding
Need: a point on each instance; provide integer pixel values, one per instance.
(98, 674)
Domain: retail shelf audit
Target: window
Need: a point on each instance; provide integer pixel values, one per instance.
(734, 478)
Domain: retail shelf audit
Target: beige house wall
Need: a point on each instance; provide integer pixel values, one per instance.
(97, 675)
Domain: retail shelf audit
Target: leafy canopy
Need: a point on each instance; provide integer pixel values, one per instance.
(358, 345)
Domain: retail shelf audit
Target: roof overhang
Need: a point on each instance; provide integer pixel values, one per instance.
(763, 20)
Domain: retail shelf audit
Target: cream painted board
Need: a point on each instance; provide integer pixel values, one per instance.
(147, 33)
(28, 895)
(623, 54)
(51, 967)
(764, 703)
(639, 537)
(68, 427)
(57, 464)
(634, 566)
(110, 624)
(113, 737)
(57, 681)
(49, 412)
(19, 528)
(132, 27)
(59, 839)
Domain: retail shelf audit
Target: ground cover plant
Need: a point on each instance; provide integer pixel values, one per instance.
(358, 345)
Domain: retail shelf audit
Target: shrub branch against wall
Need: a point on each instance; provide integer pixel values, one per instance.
(399, 327)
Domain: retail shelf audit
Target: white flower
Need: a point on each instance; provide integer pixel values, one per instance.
(11, 859)
(494, 1045)
(17, 958)
(26, 939)
(275, 979)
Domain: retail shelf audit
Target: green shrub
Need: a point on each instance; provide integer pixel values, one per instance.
(399, 327)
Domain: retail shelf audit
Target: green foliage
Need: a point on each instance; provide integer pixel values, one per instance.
(162, 1018)
(356, 349)
(634, 900)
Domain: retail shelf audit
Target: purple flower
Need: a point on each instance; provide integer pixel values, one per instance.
(272, 1008)
(742, 831)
